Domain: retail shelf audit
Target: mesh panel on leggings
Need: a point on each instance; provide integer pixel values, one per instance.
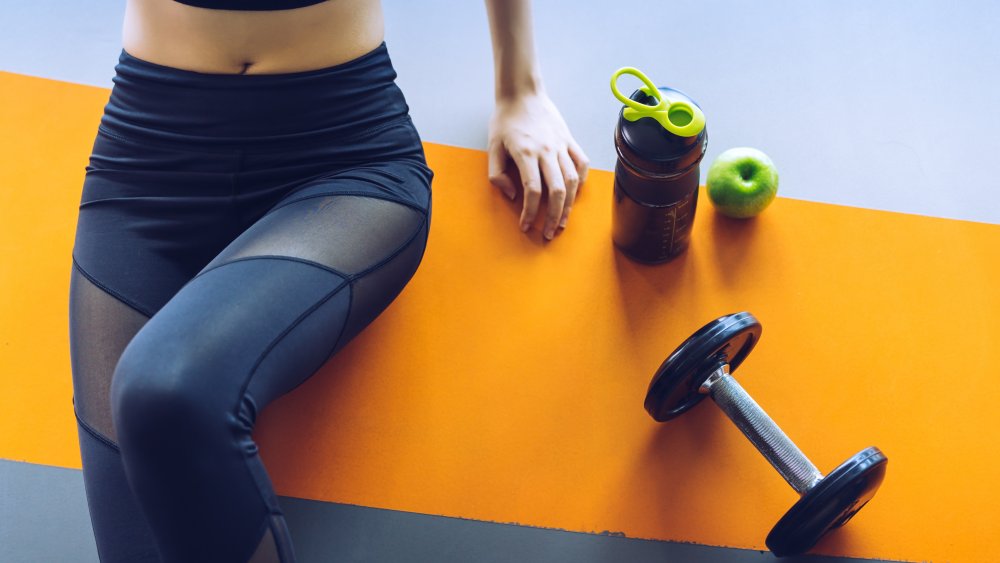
(346, 233)
(374, 291)
(380, 241)
(100, 328)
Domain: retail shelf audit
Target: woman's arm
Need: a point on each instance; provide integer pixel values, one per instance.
(526, 126)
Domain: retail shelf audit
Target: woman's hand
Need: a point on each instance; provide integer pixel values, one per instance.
(528, 130)
(526, 127)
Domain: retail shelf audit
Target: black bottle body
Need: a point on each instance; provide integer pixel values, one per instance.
(656, 186)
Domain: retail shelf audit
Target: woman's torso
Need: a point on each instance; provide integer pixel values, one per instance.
(172, 34)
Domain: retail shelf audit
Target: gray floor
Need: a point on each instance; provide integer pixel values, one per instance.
(885, 105)
(44, 518)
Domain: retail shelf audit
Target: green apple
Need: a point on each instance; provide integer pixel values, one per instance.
(742, 181)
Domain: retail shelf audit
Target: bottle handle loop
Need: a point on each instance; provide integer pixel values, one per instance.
(677, 116)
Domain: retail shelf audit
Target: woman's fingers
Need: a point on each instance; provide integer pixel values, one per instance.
(498, 170)
(531, 180)
(571, 176)
(580, 159)
(553, 175)
(561, 176)
(529, 130)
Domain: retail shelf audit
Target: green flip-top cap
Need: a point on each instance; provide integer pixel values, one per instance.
(677, 116)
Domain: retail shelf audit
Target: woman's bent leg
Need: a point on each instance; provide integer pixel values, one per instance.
(253, 324)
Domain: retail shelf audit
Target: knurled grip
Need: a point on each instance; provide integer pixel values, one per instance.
(783, 454)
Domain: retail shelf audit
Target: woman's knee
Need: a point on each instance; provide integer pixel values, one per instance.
(155, 398)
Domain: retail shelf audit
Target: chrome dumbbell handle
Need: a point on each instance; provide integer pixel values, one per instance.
(783, 454)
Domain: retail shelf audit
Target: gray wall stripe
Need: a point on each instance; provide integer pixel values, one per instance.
(43, 517)
(885, 105)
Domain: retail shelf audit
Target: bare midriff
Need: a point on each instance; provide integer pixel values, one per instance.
(177, 35)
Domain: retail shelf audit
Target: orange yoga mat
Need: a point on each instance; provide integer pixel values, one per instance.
(506, 382)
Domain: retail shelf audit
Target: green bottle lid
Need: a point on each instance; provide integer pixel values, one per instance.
(676, 116)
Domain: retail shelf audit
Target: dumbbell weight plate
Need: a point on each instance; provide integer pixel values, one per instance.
(674, 388)
(829, 504)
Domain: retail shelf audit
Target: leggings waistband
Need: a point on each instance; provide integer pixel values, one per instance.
(159, 103)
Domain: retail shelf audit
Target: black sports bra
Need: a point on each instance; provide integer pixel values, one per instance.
(250, 4)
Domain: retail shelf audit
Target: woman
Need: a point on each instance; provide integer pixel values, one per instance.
(255, 197)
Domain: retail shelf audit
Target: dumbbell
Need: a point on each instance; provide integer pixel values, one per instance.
(701, 366)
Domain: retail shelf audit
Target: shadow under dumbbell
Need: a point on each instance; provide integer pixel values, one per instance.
(676, 462)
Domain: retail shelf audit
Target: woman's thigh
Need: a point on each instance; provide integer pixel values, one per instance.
(296, 286)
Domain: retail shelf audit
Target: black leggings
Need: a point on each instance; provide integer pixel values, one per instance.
(235, 231)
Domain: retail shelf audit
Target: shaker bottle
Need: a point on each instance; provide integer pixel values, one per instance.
(660, 139)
